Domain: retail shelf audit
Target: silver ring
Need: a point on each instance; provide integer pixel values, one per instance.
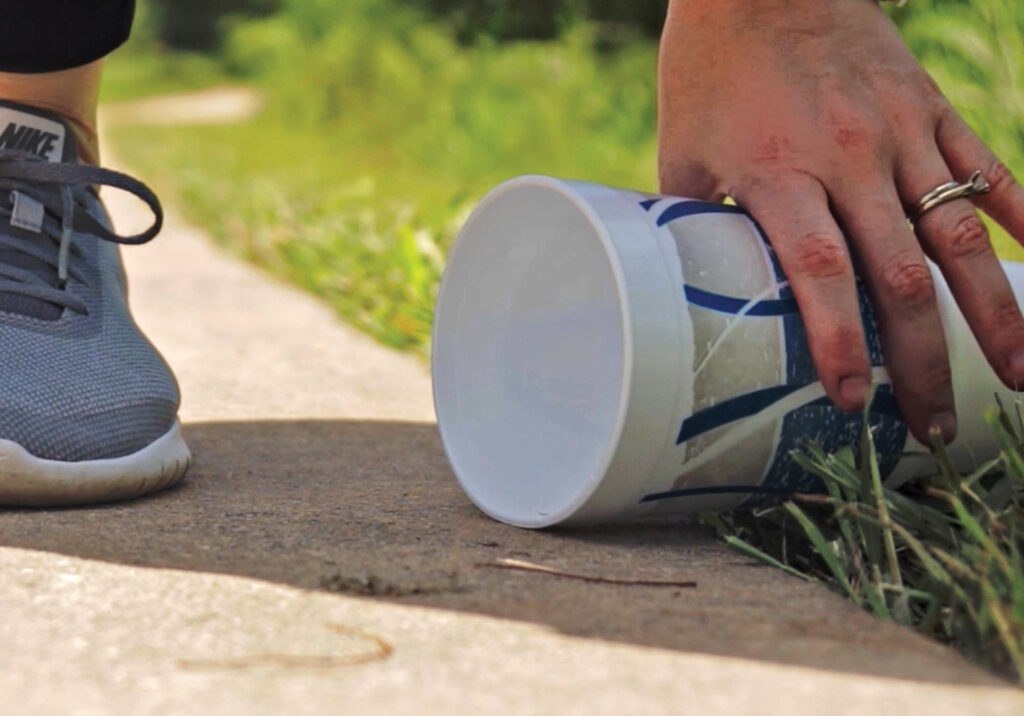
(948, 192)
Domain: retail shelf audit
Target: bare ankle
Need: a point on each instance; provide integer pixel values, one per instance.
(73, 94)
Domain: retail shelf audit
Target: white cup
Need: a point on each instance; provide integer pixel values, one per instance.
(602, 355)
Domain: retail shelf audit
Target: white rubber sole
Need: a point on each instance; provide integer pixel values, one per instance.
(29, 481)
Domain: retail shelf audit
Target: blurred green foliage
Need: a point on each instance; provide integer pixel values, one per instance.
(380, 132)
(201, 24)
(198, 24)
(975, 51)
(546, 19)
(148, 65)
(382, 127)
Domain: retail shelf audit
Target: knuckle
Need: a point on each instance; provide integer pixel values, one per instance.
(1003, 316)
(852, 137)
(771, 150)
(907, 280)
(933, 380)
(1000, 178)
(844, 343)
(856, 132)
(931, 91)
(821, 255)
(861, 145)
(929, 384)
(968, 238)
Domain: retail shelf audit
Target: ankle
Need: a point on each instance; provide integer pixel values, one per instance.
(73, 94)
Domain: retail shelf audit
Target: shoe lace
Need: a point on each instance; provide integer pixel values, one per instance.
(52, 185)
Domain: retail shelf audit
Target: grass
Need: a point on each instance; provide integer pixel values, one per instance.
(942, 555)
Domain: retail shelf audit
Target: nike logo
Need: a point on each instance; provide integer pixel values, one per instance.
(28, 139)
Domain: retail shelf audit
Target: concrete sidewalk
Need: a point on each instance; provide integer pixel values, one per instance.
(320, 558)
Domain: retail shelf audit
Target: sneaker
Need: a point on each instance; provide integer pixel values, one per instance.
(88, 408)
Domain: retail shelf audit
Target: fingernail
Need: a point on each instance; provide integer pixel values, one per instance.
(853, 389)
(945, 423)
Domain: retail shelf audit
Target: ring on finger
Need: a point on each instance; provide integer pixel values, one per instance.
(949, 191)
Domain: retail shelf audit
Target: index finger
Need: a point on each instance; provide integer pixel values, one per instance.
(794, 213)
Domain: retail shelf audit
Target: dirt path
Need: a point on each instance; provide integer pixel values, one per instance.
(320, 558)
(216, 105)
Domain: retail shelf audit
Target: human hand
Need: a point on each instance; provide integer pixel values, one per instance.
(815, 117)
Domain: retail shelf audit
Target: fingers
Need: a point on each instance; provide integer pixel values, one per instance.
(965, 153)
(956, 239)
(814, 256)
(903, 294)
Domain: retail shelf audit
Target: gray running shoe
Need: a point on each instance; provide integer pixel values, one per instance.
(88, 408)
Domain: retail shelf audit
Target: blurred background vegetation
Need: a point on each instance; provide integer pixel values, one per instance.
(385, 120)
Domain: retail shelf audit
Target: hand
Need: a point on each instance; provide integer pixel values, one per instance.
(814, 116)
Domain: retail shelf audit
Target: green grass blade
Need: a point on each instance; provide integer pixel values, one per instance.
(751, 551)
(824, 550)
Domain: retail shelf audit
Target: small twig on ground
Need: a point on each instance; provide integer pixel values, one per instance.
(519, 565)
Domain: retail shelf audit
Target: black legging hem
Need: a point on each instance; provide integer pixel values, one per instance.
(51, 35)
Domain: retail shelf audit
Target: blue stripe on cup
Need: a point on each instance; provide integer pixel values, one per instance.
(733, 409)
(709, 490)
(731, 304)
(694, 208)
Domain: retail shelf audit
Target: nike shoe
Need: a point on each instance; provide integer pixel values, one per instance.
(88, 408)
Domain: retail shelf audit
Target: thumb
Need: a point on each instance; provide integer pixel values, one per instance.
(685, 178)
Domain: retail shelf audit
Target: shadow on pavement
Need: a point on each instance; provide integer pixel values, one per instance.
(371, 509)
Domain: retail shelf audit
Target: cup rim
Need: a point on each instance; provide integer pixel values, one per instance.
(586, 488)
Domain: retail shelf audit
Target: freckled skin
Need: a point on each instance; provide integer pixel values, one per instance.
(846, 137)
(814, 116)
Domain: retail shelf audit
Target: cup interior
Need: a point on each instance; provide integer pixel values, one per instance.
(529, 353)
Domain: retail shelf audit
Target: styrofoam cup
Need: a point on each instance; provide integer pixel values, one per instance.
(601, 354)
